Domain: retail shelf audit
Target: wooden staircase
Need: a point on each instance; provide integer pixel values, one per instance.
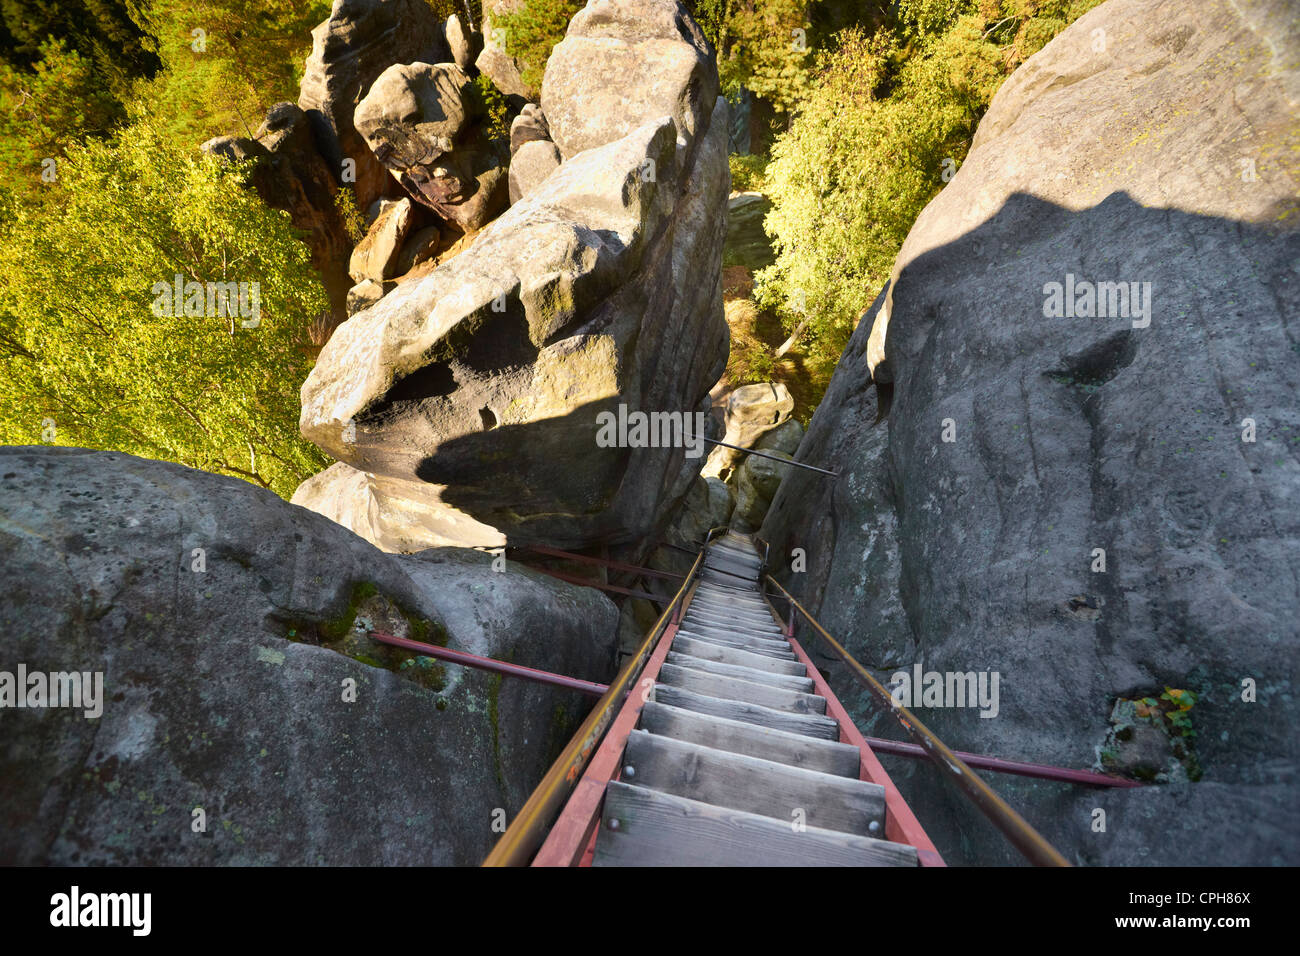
(734, 760)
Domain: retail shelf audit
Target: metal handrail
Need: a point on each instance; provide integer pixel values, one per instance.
(526, 831)
(1013, 826)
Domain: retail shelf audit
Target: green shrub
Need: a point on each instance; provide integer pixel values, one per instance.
(748, 172)
(888, 113)
(89, 362)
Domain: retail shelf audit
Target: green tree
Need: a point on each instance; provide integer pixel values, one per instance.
(224, 62)
(765, 46)
(42, 109)
(532, 31)
(886, 115)
(83, 349)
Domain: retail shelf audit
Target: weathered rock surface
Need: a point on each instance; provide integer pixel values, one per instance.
(464, 43)
(376, 256)
(528, 126)
(623, 63)
(423, 122)
(784, 437)
(366, 293)
(359, 40)
(504, 70)
(463, 407)
(748, 244)
(423, 245)
(757, 480)
(208, 703)
(532, 163)
(751, 411)
(1070, 435)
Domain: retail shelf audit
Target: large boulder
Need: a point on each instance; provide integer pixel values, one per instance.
(459, 405)
(531, 164)
(424, 122)
(757, 480)
(623, 63)
(494, 60)
(350, 49)
(238, 678)
(1096, 506)
(376, 255)
(464, 42)
(750, 412)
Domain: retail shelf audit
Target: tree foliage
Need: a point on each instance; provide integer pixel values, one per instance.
(224, 62)
(888, 113)
(532, 31)
(83, 348)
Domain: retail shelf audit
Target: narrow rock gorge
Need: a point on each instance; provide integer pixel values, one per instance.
(1059, 448)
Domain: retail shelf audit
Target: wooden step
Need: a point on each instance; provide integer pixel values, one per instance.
(730, 655)
(734, 554)
(740, 645)
(737, 736)
(765, 787)
(731, 580)
(659, 829)
(733, 613)
(731, 688)
(809, 725)
(752, 674)
(745, 604)
(769, 632)
(733, 634)
(727, 619)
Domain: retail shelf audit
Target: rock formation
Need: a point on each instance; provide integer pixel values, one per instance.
(493, 60)
(425, 123)
(463, 406)
(748, 244)
(1097, 504)
(231, 630)
(359, 40)
(750, 412)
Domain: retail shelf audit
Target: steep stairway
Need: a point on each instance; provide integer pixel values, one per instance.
(734, 760)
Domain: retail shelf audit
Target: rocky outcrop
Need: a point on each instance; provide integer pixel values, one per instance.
(533, 156)
(750, 412)
(495, 62)
(238, 679)
(464, 42)
(748, 244)
(622, 62)
(531, 164)
(425, 123)
(463, 407)
(1096, 505)
(376, 256)
(756, 479)
(358, 42)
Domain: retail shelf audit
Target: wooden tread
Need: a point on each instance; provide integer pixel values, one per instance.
(765, 787)
(733, 688)
(731, 655)
(742, 737)
(810, 725)
(660, 829)
(757, 675)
